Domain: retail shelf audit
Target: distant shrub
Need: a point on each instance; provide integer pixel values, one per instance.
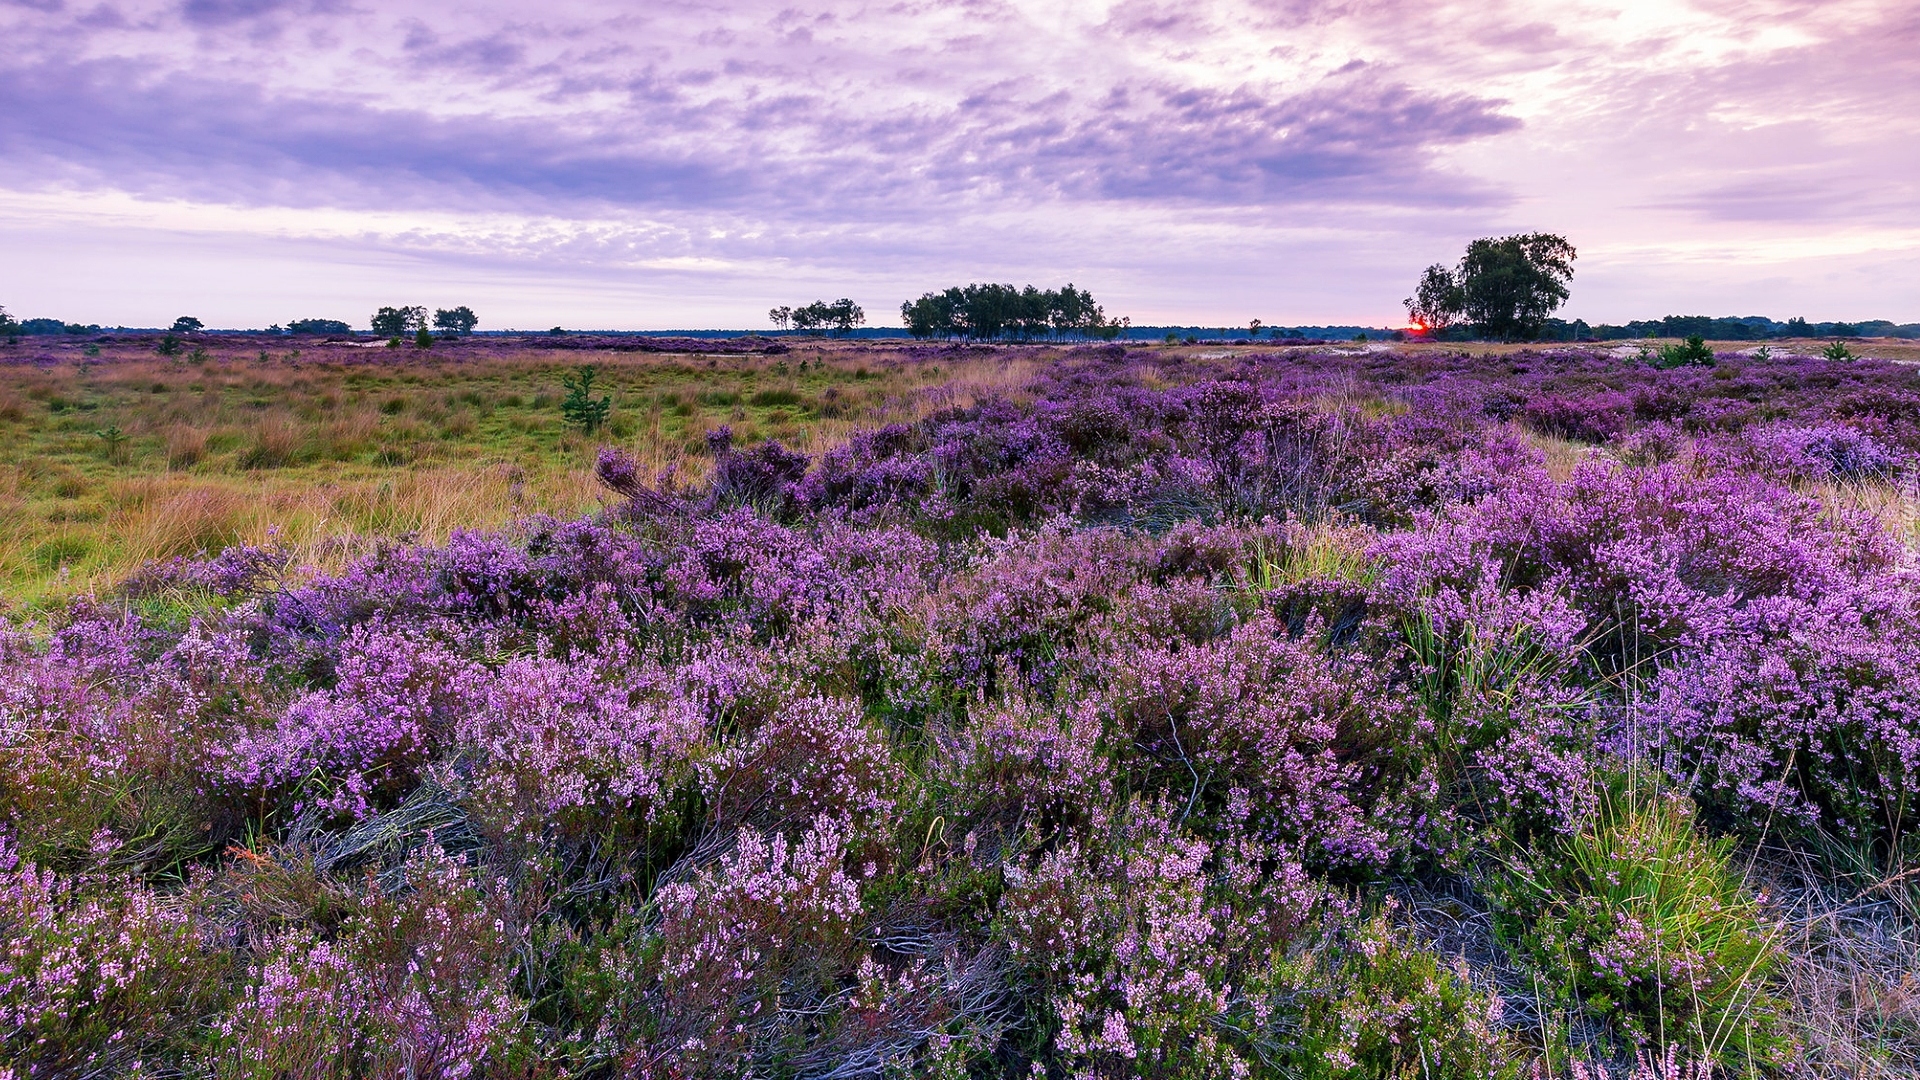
(1837, 351)
(1693, 352)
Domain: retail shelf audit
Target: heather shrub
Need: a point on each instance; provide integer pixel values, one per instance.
(97, 971)
(1025, 764)
(1367, 1000)
(1654, 557)
(762, 960)
(107, 727)
(1151, 943)
(1803, 718)
(417, 983)
(556, 750)
(1313, 750)
(394, 700)
(813, 759)
(1502, 678)
(1643, 920)
(1825, 452)
(1596, 418)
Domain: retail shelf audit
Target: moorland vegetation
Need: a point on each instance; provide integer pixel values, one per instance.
(1170, 712)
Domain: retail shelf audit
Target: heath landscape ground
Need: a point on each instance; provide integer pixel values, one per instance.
(824, 709)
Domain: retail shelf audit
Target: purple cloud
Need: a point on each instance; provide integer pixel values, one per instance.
(843, 137)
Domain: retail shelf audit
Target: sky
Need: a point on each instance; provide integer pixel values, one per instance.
(664, 164)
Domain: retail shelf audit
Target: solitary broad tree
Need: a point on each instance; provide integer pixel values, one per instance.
(187, 324)
(1504, 286)
(455, 321)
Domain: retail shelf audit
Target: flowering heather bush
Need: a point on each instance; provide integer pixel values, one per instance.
(1075, 733)
(95, 969)
(413, 984)
(1827, 451)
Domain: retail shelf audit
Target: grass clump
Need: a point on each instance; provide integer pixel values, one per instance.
(1646, 923)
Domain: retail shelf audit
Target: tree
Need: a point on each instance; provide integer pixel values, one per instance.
(843, 315)
(1254, 326)
(458, 321)
(930, 316)
(1511, 284)
(1437, 301)
(8, 326)
(839, 317)
(423, 338)
(393, 322)
(1505, 286)
(187, 324)
(581, 408)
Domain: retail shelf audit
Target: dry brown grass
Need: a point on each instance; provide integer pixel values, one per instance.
(1851, 974)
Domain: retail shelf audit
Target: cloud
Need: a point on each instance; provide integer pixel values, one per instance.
(681, 139)
(213, 13)
(849, 136)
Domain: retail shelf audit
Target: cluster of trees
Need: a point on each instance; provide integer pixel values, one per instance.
(840, 317)
(42, 327)
(1504, 287)
(393, 322)
(985, 312)
(318, 327)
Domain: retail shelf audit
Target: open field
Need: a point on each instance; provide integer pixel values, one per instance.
(319, 447)
(111, 456)
(1344, 712)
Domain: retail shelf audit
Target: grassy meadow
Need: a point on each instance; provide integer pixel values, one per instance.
(112, 456)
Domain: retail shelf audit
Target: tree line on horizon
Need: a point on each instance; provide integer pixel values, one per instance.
(1498, 290)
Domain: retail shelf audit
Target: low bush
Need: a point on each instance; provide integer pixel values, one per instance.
(1639, 918)
(1693, 352)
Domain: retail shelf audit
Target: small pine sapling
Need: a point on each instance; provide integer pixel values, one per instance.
(581, 409)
